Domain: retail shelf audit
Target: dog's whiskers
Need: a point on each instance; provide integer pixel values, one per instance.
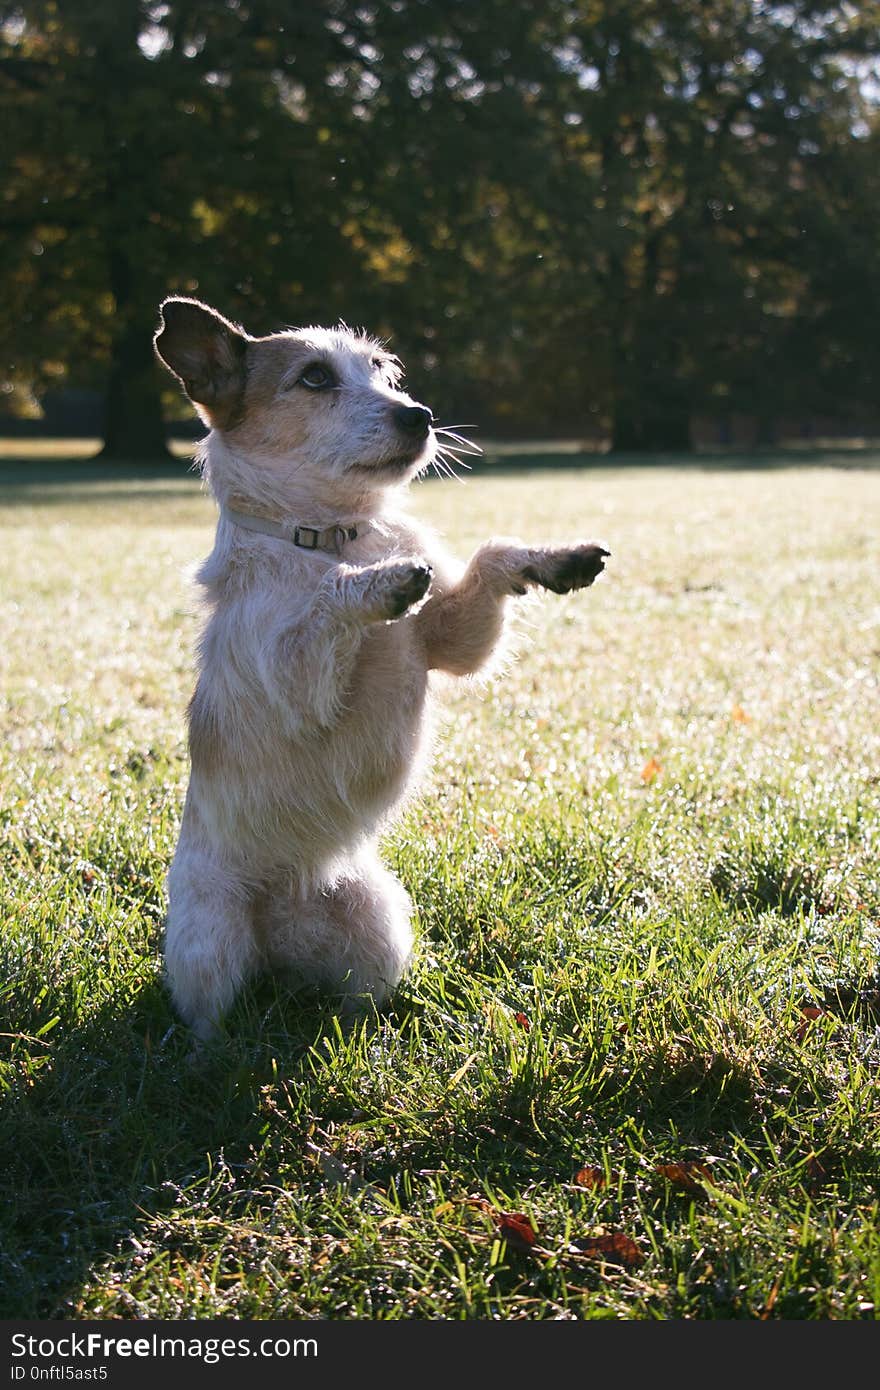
(462, 445)
(447, 459)
(452, 448)
(442, 467)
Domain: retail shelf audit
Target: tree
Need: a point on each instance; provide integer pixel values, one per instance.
(156, 147)
(581, 215)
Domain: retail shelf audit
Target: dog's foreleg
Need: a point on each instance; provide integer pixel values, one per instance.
(306, 664)
(461, 626)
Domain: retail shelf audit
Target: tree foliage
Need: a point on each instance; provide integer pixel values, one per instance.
(601, 216)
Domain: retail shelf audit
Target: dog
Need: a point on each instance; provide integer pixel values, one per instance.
(328, 608)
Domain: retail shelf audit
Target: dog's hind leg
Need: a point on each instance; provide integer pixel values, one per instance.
(351, 935)
(210, 946)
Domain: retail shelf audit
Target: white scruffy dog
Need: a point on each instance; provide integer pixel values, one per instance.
(307, 723)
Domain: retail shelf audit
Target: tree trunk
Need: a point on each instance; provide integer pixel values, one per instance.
(766, 436)
(645, 429)
(133, 426)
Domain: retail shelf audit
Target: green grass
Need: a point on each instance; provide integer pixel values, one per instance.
(639, 856)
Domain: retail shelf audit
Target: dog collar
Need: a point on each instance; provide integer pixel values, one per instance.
(332, 538)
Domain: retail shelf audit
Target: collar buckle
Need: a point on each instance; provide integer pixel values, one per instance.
(307, 537)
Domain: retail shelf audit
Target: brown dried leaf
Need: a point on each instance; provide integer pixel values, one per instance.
(593, 1177)
(739, 716)
(614, 1248)
(516, 1229)
(815, 1170)
(651, 771)
(688, 1177)
(523, 1021)
(809, 1014)
(820, 1169)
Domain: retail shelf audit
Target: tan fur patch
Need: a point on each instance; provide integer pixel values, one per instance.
(206, 748)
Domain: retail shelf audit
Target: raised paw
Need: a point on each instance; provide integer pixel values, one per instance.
(406, 584)
(564, 570)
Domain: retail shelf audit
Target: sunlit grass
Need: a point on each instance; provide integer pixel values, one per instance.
(640, 854)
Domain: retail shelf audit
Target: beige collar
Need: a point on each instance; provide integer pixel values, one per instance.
(331, 538)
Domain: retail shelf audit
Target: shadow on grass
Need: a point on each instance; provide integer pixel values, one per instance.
(108, 1134)
(119, 1128)
(26, 475)
(502, 463)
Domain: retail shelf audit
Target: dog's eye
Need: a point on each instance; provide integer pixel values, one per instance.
(317, 377)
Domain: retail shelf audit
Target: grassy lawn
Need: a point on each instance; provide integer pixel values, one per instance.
(645, 1000)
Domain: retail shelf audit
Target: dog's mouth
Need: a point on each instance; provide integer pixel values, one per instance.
(397, 464)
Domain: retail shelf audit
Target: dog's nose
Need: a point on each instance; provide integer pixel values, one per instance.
(413, 419)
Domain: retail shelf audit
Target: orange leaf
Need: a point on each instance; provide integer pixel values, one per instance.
(810, 1014)
(523, 1021)
(739, 716)
(685, 1176)
(516, 1229)
(615, 1248)
(651, 770)
(594, 1177)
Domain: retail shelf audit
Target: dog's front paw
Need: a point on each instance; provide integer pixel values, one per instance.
(410, 584)
(398, 586)
(564, 570)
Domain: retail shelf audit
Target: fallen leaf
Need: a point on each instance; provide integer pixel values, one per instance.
(815, 1170)
(593, 1177)
(651, 770)
(739, 716)
(516, 1229)
(820, 1169)
(688, 1177)
(615, 1248)
(523, 1021)
(810, 1014)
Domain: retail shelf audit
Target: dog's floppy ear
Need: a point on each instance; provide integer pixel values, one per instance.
(206, 352)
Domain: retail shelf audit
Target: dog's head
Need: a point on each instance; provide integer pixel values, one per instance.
(313, 409)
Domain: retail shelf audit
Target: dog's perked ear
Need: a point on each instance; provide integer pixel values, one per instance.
(207, 353)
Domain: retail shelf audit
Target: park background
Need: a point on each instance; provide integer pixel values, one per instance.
(642, 225)
(633, 1070)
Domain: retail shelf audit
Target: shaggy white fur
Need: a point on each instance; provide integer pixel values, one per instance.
(309, 720)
